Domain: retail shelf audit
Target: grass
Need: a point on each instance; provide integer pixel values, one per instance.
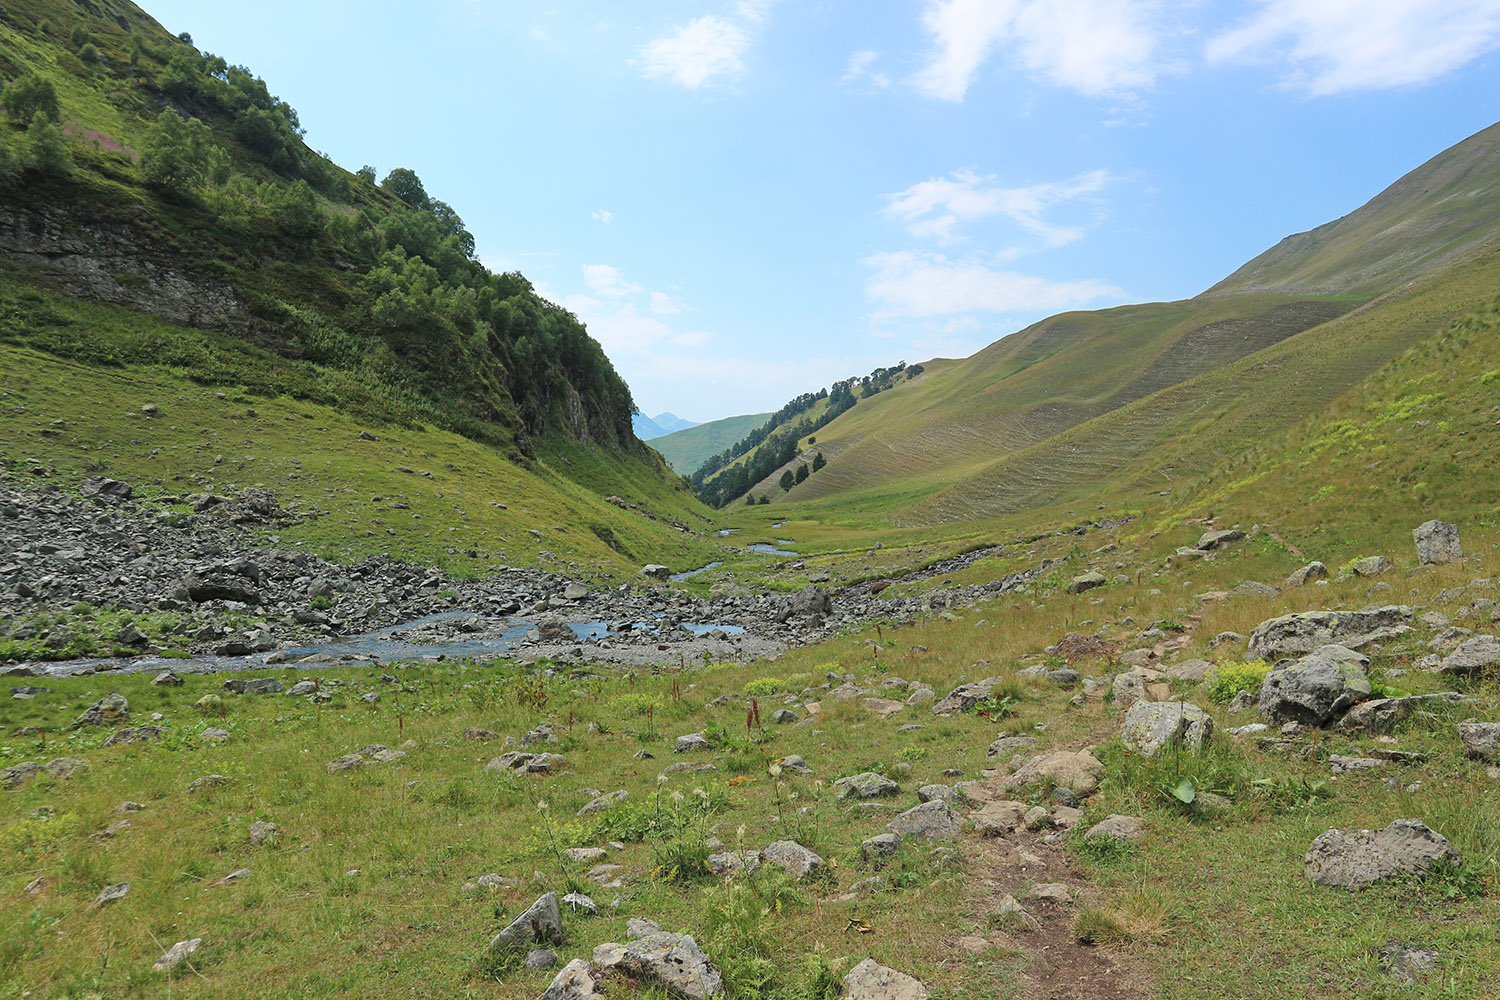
(1205, 899)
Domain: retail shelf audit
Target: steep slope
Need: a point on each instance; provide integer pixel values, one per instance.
(687, 449)
(161, 218)
(1036, 420)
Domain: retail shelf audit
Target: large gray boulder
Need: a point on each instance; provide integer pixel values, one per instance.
(792, 858)
(812, 601)
(866, 785)
(965, 696)
(1153, 727)
(1478, 654)
(869, 980)
(111, 710)
(934, 820)
(1316, 689)
(1481, 740)
(1299, 634)
(1085, 582)
(541, 923)
(1371, 566)
(661, 958)
(1311, 573)
(575, 982)
(1437, 542)
(1079, 772)
(1354, 859)
(1211, 540)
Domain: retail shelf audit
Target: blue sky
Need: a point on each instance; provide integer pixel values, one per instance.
(748, 199)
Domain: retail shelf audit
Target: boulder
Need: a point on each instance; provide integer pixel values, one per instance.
(1189, 670)
(1127, 689)
(1126, 829)
(881, 845)
(792, 858)
(1381, 715)
(105, 490)
(671, 961)
(933, 820)
(1311, 573)
(111, 710)
(1151, 728)
(1211, 540)
(540, 923)
(1314, 690)
(867, 785)
(946, 793)
(1354, 859)
(998, 818)
(811, 600)
(1437, 542)
(575, 982)
(1005, 746)
(655, 571)
(253, 685)
(1299, 634)
(599, 803)
(734, 862)
(1481, 740)
(1478, 654)
(691, 742)
(1370, 566)
(1085, 582)
(965, 696)
(869, 980)
(140, 734)
(177, 953)
(1078, 772)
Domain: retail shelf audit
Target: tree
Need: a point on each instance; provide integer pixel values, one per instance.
(406, 185)
(749, 499)
(366, 173)
(46, 149)
(764, 499)
(802, 473)
(813, 439)
(80, 37)
(819, 461)
(28, 96)
(9, 165)
(174, 156)
(788, 480)
(89, 53)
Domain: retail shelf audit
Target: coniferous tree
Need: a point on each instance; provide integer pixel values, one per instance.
(788, 480)
(819, 461)
(802, 473)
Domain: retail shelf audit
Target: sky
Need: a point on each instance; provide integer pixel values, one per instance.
(749, 199)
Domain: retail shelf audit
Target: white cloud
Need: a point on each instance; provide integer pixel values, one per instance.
(1096, 47)
(696, 52)
(859, 72)
(664, 305)
(603, 215)
(1336, 46)
(932, 208)
(920, 285)
(607, 280)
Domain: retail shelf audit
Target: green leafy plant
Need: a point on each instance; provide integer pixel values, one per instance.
(1228, 679)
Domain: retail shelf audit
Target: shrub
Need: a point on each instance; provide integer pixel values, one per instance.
(46, 149)
(29, 96)
(762, 686)
(1229, 679)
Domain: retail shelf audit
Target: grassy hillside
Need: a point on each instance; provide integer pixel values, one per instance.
(687, 449)
(1036, 423)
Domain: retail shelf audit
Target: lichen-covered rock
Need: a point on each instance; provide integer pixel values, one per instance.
(575, 982)
(965, 696)
(1300, 634)
(1381, 715)
(1481, 740)
(1086, 582)
(1477, 655)
(995, 819)
(1311, 573)
(1354, 859)
(1126, 829)
(933, 820)
(1315, 690)
(734, 862)
(1078, 772)
(866, 785)
(792, 858)
(1370, 566)
(541, 923)
(869, 980)
(672, 961)
(111, 710)
(1211, 540)
(1437, 542)
(1151, 728)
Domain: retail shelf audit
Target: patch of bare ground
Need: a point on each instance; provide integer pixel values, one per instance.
(1054, 964)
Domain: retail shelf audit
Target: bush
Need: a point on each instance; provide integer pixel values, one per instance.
(1229, 679)
(763, 686)
(46, 149)
(30, 96)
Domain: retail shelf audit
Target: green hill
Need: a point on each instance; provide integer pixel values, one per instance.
(160, 215)
(1036, 422)
(687, 449)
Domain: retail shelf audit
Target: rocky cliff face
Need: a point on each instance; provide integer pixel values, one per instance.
(109, 262)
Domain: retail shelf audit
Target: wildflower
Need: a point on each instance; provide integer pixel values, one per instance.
(542, 806)
(774, 770)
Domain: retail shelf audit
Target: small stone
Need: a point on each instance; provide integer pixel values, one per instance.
(880, 846)
(179, 952)
(1126, 829)
(866, 785)
(208, 781)
(261, 831)
(1013, 913)
(792, 858)
(1056, 892)
(869, 980)
(112, 894)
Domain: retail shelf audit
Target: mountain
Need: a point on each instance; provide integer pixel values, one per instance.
(1035, 421)
(161, 216)
(671, 422)
(686, 450)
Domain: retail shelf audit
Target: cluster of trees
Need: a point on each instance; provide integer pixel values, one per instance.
(386, 285)
(790, 478)
(34, 140)
(774, 443)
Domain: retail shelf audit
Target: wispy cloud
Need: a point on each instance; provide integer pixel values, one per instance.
(920, 285)
(603, 215)
(932, 208)
(861, 72)
(604, 279)
(705, 48)
(1337, 46)
(1096, 47)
